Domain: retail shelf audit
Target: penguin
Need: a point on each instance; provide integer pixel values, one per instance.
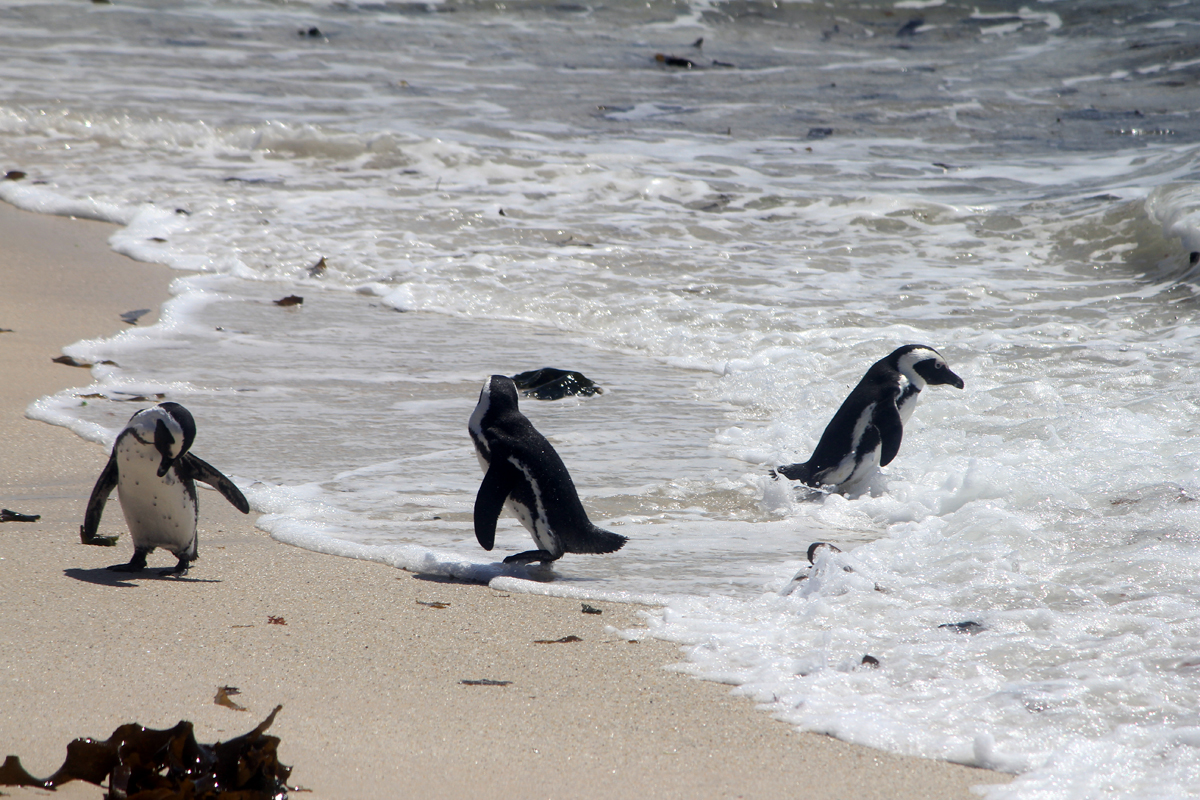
(523, 470)
(154, 475)
(865, 432)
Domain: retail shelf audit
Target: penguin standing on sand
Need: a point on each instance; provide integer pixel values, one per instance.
(155, 475)
(865, 432)
(523, 470)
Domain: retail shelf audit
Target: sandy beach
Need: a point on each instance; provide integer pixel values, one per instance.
(368, 662)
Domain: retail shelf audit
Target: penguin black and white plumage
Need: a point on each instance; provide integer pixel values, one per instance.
(154, 475)
(522, 470)
(865, 432)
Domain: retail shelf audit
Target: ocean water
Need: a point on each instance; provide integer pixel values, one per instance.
(724, 248)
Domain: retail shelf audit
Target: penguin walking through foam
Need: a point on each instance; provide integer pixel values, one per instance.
(522, 470)
(154, 475)
(865, 432)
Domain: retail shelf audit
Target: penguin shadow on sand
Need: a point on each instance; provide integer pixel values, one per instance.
(104, 576)
(482, 575)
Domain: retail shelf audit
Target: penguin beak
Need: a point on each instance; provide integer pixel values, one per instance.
(163, 441)
(954, 380)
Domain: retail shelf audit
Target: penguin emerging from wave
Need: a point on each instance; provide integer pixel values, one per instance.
(154, 475)
(523, 470)
(865, 432)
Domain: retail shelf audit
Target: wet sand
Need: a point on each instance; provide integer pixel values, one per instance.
(367, 661)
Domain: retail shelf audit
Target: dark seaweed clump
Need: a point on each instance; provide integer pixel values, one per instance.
(549, 383)
(144, 764)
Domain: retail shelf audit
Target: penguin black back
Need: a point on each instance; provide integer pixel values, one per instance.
(523, 471)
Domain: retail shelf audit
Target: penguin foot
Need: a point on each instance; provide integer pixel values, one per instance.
(179, 570)
(136, 564)
(544, 556)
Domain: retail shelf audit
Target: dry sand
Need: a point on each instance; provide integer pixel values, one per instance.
(369, 675)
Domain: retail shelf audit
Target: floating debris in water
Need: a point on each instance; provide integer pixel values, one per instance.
(815, 546)
(290, 300)
(571, 241)
(8, 515)
(127, 398)
(238, 179)
(803, 575)
(144, 762)
(317, 269)
(963, 627)
(563, 640)
(674, 61)
(131, 317)
(549, 383)
(14, 175)
(870, 661)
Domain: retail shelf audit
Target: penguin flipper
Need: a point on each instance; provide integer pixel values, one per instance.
(95, 507)
(200, 470)
(500, 479)
(891, 431)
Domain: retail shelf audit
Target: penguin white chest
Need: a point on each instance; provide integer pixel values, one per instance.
(906, 399)
(160, 512)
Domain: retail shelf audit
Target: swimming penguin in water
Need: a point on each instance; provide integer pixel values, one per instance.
(522, 469)
(865, 432)
(155, 475)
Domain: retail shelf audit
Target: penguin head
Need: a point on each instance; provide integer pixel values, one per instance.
(923, 365)
(169, 427)
(499, 393)
(498, 396)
